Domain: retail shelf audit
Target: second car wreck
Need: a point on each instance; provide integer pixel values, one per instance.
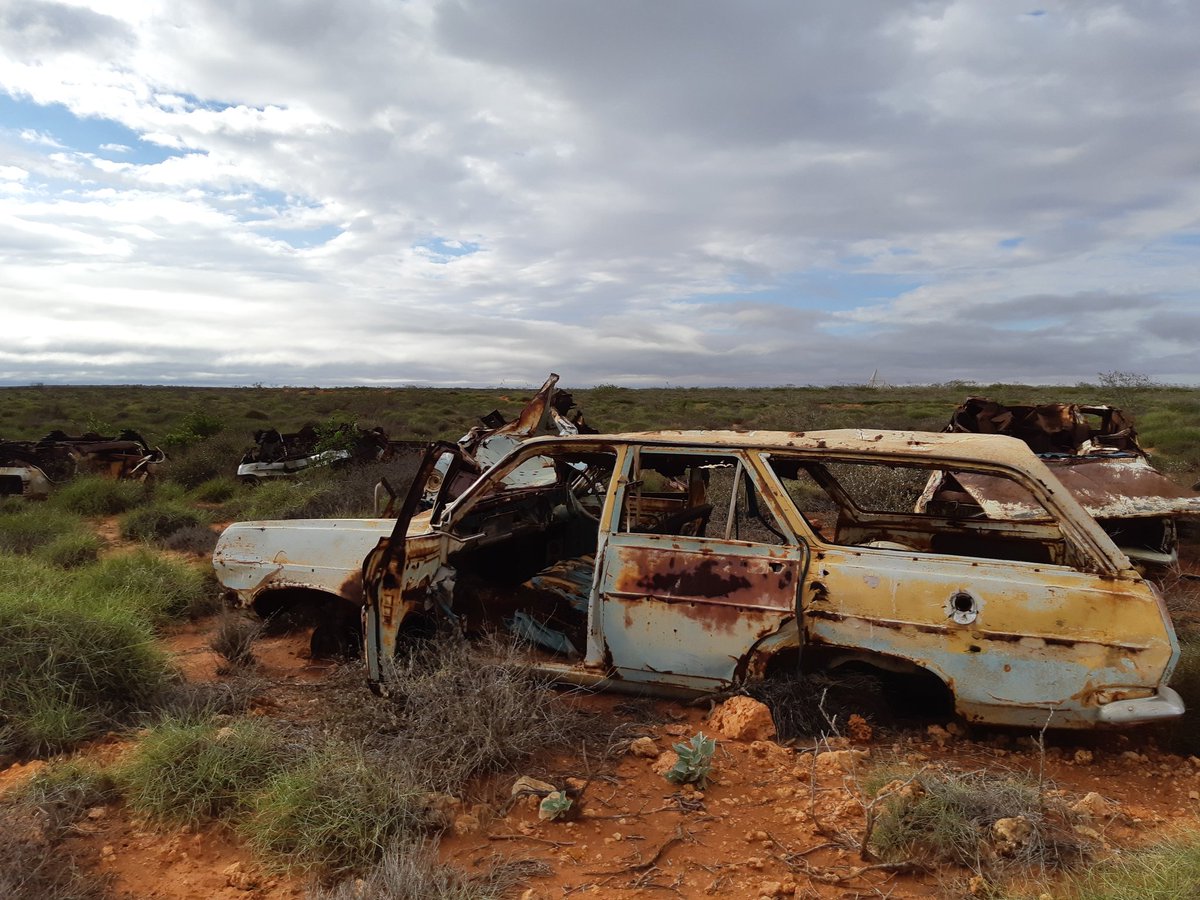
(694, 561)
(1094, 452)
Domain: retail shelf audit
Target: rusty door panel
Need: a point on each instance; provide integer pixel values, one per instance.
(687, 611)
(1031, 638)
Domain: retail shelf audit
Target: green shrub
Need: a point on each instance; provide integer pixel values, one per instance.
(160, 520)
(193, 428)
(946, 817)
(156, 586)
(69, 667)
(1165, 872)
(190, 771)
(198, 539)
(70, 551)
(213, 457)
(92, 495)
(32, 526)
(216, 490)
(336, 810)
(695, 761)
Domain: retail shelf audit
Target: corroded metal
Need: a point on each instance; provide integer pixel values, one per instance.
(1022, 620)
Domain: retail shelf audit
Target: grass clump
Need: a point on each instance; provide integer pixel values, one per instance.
(188, 771)
(29, 527)
(458, 716)
(336, 810)
(1165, 872)
(159, 520)
(950, 817)
(93, 495)
(70, 667)
(71, 550)
(216, 490)
(198, 539)
(234, 639)
(412, 871)
(155, 585)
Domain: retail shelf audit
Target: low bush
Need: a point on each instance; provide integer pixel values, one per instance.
(204, 460)
(69, 668)
(71, 550)
(412, 871)
(154, 585)
(216, 490)
(28, 527)
(188, 771)
(947, 817)
(198, 539)
(1164, 872)
(461, 711)
(234, 639)
(336, 810)
(93, 495)
(159, 520)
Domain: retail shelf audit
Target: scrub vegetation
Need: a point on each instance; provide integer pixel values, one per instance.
(357, 789)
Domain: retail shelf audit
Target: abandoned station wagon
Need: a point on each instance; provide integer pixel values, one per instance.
(692, 561)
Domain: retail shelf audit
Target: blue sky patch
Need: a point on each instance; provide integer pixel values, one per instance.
(87, 135)
(1010, 243)
(443, 250)
(303, 238)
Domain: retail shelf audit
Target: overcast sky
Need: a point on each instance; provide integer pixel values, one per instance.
(658, 192)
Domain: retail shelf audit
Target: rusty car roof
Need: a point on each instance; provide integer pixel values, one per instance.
(992, 448)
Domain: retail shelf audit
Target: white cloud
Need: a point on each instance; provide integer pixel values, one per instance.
(678, 191)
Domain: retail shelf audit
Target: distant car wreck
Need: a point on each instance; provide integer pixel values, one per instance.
(29, 468)
(275, 454)
(1093, 450)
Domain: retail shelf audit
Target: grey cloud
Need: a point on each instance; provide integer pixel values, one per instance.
(37, 26)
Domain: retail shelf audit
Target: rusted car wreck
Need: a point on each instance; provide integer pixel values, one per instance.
(1094, 452)
(29, 468)
(692, 561)
(311, 568)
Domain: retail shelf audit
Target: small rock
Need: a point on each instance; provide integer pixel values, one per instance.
(665, 762)
(840, 760)
(527, 785)
(466, 824)
(859, 730)
(97, 812)
(770, 889)
(644, 747)
(939, 734)
(1011, 835)
(108, 852)
(1084, 757)
(1194, 795)
(743, 719)
(1093, 806)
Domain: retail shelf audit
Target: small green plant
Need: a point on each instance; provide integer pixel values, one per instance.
(234, 639)
(336, 810)
(71, 550)
(155, 585)
(24, 529)
(193, 428)
(1167, 871)
(190, 771)
(159, 520)
(93, 495)
(695, 761)
(555, 805)
(217, 489)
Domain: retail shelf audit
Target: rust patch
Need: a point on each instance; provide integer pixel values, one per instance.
(701, 580)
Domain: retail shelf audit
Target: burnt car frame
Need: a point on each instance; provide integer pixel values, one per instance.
(693, 561)
(1094, 452)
